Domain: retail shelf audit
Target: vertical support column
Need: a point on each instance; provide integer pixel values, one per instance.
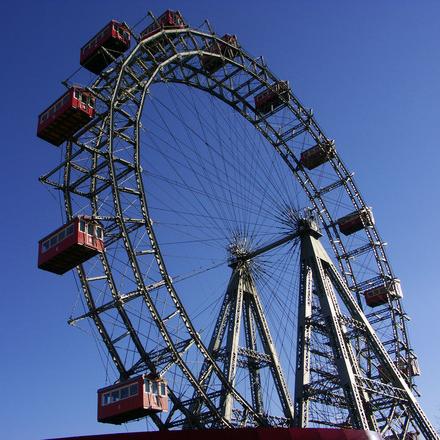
(331, 312)
(254, 375)
(302, 378)
(313, 258)
(232, 345)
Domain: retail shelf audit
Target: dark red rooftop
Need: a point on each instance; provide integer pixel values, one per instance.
(241, 434)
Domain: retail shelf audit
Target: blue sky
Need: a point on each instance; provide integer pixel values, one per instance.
(370, 70)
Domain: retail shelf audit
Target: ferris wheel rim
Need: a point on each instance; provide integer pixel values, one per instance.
(330, 226)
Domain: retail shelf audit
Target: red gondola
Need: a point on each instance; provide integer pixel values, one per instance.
(72, 244)
(135, 398)
(66, 116)
(168, 20)
(114, 38)
(355, 221)
(223, 47)
(272, 98)
(317, 155)
(379, 295)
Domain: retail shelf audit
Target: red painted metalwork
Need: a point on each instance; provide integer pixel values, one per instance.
(272, 97)
(376, 296)
(66, 116)
(211, 64)
(135, 398)
(242, 434)
(168, 20)
(379, 295)
(317, 155)
(70, 245)
(113, 37)
(355, 221)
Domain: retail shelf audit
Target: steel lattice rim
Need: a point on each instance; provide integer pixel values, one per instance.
(261, 74)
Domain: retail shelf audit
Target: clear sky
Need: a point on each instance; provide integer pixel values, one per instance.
(371, 72)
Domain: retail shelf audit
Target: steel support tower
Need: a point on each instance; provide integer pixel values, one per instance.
(334, 341)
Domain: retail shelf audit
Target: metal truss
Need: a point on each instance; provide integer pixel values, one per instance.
(242, 308)
(362, 397)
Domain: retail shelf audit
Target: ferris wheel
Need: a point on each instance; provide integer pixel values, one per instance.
(226, 258)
